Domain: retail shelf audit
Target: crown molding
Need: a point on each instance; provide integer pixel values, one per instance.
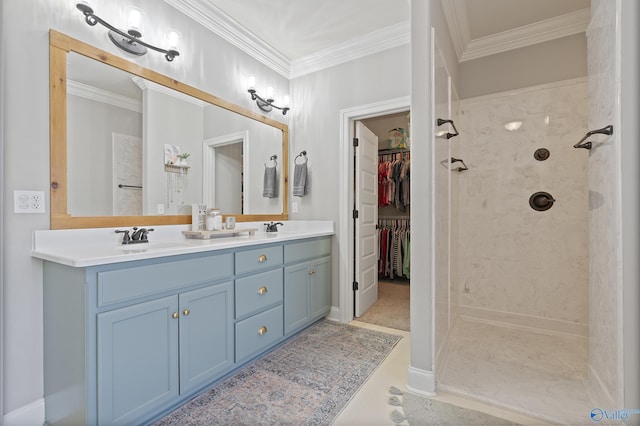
(103, 96)
(455, 13)
(374, 42)
(144, 84)
(527, 35)
(230, 30)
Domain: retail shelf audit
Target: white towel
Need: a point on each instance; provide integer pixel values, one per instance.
(300, 179)
(270, 187)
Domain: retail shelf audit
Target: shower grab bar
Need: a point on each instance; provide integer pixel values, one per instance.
(608, 130)
(459, 169)
(440, 122)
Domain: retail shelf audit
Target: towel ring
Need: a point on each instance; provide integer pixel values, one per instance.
(302, 154)
(274, 159)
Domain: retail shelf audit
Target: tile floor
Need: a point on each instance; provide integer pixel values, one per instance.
(370, 405)
(484, 361)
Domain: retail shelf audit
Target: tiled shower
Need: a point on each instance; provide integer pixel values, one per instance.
(519, 335)
(528, 303)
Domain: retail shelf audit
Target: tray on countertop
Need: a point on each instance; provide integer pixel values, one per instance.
(203, 235)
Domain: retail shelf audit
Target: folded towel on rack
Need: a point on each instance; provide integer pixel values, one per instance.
(270, 185)
(300, 179)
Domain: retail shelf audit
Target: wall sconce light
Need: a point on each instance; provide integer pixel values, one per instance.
(267, 104)
(131, 40)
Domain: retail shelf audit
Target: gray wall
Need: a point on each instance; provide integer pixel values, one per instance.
(206, 62)
(315, 127)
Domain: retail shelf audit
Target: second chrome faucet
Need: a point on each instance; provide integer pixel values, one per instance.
(139, 235)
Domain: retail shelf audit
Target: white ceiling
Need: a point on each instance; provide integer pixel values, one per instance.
(298, 28)
(304, 29)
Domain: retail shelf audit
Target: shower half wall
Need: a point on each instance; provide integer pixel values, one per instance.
(512, 263)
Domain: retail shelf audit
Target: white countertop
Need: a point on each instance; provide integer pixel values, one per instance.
(101, 246)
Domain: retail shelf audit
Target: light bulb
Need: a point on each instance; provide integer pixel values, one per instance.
(269, 93)
(173, 38)
(251, 82)
(286, 101)
(134, 21)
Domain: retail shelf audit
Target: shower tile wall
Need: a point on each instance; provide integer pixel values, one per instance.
(513, 263)
(605, 275)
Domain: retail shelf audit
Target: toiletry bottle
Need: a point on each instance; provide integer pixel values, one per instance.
(210, 220)
(217, 220)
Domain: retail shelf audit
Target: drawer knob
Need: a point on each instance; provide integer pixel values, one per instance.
(262, 330)
(262, 290)
(186, 312)
(262, 258)
(175, 315)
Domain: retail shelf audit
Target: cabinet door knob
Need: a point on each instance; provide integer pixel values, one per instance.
(175, 315)
(311, 272)
(262, 258)
(262, 330)
(186, 312)
(262, 290)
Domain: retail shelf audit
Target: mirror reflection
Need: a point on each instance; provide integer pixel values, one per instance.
(136, 148)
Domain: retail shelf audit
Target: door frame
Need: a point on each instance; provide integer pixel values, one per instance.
(345, 224)
(209, 164)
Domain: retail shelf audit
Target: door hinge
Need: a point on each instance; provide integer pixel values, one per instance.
(355, 141)
(355, 285)
(355, 214)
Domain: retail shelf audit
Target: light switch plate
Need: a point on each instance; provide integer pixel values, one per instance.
(28, 201)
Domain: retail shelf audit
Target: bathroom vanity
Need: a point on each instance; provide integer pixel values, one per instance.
(131, 333)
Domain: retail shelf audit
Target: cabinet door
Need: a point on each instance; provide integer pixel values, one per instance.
(137, 360)
(296, 297)
(320, 287)
(206, 334)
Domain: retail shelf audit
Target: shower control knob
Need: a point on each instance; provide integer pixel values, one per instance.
(541, 201)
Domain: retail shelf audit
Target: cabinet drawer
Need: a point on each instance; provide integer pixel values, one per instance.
(122, 284)
(258, 332)
(258, 259)
(307, 250)
(256, 292)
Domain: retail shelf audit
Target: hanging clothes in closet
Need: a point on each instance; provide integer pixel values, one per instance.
(394, 180)
(394, 238)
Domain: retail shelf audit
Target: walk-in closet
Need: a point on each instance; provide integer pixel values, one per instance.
(393, 224)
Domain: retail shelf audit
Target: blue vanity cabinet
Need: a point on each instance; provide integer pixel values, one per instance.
(137, 360)
(259, 297)
(151, 352)
(307, 283)
(127, 342)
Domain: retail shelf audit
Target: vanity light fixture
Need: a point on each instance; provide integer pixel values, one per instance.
(267, 104)
(131, 41)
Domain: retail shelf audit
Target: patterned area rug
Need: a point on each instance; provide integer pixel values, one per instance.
(306, 381)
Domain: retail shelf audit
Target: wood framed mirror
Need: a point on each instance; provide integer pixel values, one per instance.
(65, 199)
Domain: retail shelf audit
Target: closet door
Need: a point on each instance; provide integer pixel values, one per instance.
(367, 205)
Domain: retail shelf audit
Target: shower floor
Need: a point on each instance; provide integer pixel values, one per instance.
(533, 372)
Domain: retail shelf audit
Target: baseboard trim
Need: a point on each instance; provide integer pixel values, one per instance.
(32, 414)
(421, 382)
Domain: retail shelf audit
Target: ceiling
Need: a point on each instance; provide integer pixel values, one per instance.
(300, 29)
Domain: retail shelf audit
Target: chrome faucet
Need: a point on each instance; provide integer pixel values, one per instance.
(139, 235)
(273, 227)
